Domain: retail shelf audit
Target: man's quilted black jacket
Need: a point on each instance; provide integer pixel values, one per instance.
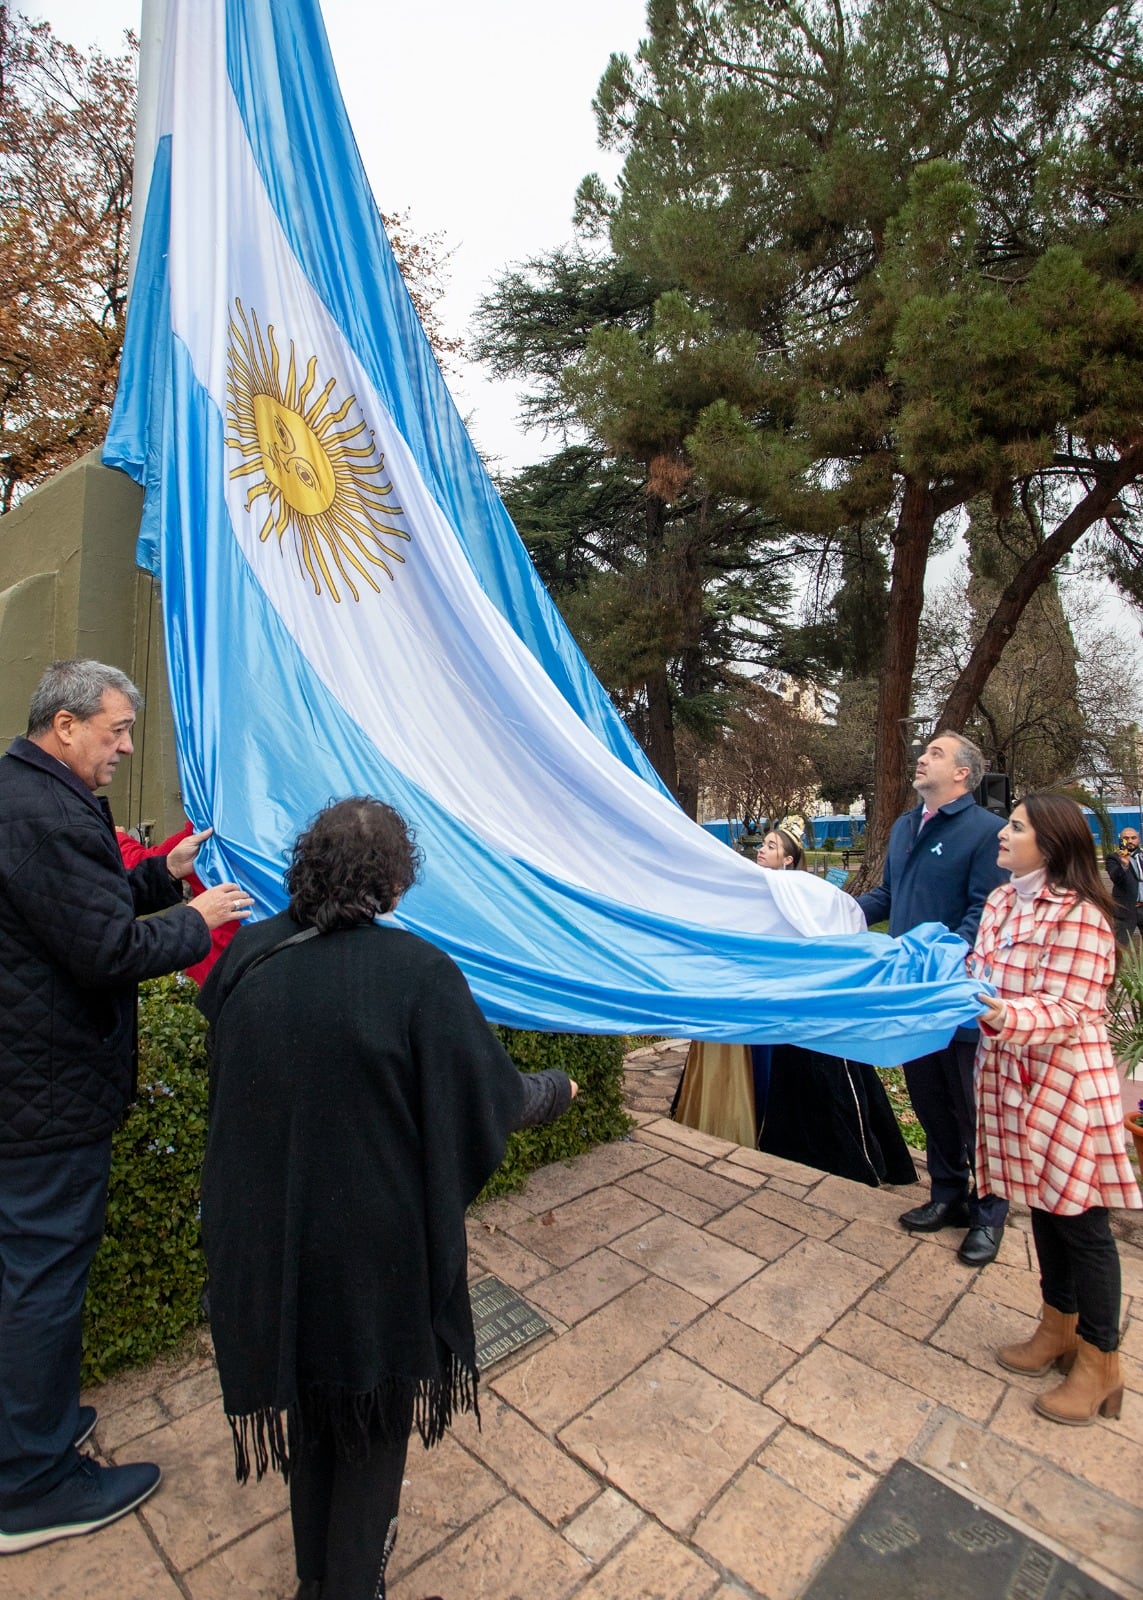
(71, 952)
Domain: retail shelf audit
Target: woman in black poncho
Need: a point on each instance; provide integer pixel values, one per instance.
(359, 1102)
(823, 1110)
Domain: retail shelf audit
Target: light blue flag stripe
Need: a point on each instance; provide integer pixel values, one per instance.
(265, 741)
(134, 440)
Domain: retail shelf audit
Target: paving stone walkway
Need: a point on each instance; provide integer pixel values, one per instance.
(741, 1348)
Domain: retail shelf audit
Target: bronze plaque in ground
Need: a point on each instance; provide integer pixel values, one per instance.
(916, 1539)
(503, 1321)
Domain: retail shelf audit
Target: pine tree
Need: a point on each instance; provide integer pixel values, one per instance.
(667, 586)
(1028, 719)
(903, 250)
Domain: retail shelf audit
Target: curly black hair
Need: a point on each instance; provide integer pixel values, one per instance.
(354, 861)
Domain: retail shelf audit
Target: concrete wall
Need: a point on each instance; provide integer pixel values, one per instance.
(69, 586)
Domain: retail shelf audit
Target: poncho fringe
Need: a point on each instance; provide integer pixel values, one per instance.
(271, 1439)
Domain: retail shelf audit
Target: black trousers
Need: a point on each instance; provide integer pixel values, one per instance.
(943, 1093)
(51, 1221)
(344, 1516)
(1079, 1271)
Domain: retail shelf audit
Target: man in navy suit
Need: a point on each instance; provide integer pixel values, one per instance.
(941, 867)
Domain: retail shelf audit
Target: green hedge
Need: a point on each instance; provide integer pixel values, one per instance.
(596, 1116)
(149, 1273)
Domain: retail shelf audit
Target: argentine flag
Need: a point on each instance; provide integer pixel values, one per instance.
(349, 610)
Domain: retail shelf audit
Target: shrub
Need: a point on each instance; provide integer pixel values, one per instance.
(148, 1274)
(1125, 1006)
(596, 1116)
(828, 842)
(147, 1278)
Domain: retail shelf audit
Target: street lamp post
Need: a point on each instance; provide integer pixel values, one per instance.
(910, 735)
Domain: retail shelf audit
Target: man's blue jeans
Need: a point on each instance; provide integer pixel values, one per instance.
(51, 1221)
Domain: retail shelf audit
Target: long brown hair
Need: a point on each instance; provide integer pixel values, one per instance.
(791, 848)
(1066, 844)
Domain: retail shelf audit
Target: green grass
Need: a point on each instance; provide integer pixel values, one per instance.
(894, 1080)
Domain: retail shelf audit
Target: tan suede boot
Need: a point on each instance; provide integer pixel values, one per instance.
(1092, 1385)
(1052, 1344)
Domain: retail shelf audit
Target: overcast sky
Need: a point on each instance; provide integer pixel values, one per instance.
(475, 118)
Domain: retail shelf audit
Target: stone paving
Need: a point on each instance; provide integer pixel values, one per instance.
(741, 1347)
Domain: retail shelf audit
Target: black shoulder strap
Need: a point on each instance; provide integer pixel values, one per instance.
(300, 937)
(294, 938)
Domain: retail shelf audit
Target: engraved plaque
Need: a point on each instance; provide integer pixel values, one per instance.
(503, 1321)
(917, 1539)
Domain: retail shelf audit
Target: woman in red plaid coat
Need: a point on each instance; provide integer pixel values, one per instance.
(1049, 1115)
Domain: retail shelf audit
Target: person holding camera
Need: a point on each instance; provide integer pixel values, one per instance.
(1125, 869)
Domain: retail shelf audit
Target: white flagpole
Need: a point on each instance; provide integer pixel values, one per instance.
(152, 28)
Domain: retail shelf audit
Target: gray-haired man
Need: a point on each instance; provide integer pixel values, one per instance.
(74, 942)
(941, 867)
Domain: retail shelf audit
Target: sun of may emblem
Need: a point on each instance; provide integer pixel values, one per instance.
(317, 483)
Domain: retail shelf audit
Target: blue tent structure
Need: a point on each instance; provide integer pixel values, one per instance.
(844, 831)
(1121, 817)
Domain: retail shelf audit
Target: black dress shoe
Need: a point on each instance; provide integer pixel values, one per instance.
(980, 1246)
(935, 1215)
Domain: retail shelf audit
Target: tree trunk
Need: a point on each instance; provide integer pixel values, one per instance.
(692, 667)
(688, 793)
(1036, 570)
(657, 685)
(911, 541)
(661, 729)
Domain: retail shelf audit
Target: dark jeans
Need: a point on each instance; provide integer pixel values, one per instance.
(1079, 1271)
(344, 1515)
(51, 1221)
(943, 1093)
